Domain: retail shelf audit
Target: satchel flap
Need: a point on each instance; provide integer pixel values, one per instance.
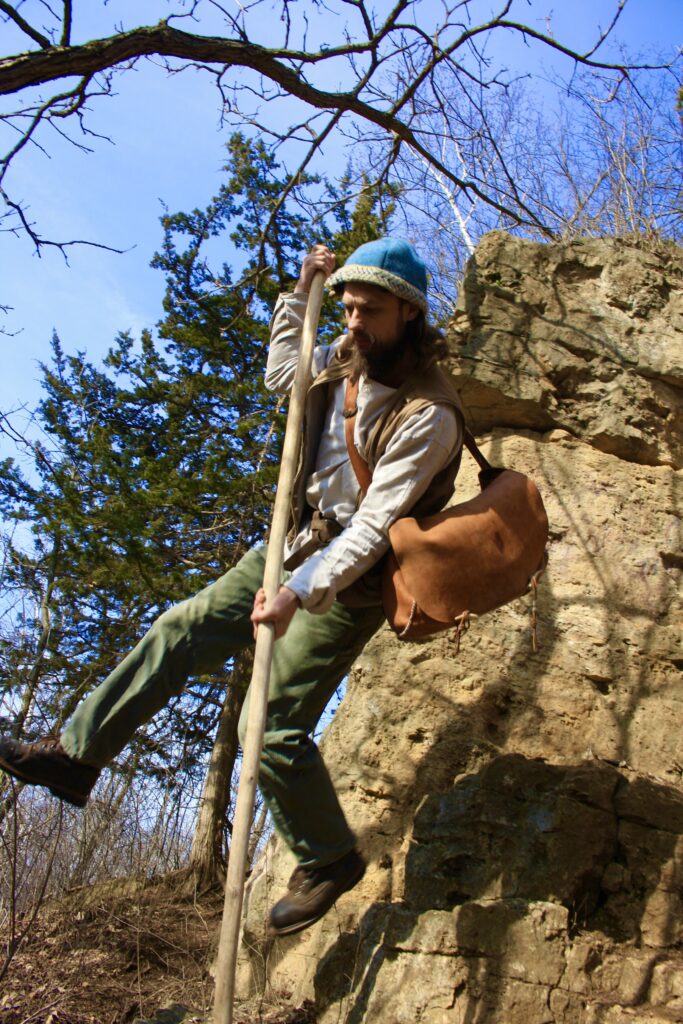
(477, 555)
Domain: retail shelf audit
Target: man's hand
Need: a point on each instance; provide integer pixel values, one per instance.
(279, 611)
(319, 258)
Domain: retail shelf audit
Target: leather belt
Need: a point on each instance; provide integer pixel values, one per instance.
(323, 530)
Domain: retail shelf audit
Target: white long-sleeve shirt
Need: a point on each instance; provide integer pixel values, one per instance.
(426, 444)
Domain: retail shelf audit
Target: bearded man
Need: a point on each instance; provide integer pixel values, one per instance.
(382, 439)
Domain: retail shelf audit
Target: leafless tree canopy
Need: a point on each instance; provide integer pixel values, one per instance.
(376, 74)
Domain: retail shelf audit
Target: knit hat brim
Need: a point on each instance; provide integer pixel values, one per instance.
(381, 278)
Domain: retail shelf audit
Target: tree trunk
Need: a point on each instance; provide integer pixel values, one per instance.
(207, 862)
(43, 640)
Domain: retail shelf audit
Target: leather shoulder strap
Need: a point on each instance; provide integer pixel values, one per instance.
(360, 466)
(475, 451)
(487, 472)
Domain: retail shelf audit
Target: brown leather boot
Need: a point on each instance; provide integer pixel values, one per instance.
(46, 763)
(312, 891)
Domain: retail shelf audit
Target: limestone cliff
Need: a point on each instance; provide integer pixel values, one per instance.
(523, 813)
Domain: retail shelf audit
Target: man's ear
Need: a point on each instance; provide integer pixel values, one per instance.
(410, 310)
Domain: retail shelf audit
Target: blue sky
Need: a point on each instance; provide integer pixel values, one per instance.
(169, 148)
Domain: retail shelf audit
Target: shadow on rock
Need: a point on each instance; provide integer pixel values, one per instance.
(519, 880)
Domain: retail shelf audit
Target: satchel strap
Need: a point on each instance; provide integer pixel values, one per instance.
(487, 472)
(476, 452)
(360, 466)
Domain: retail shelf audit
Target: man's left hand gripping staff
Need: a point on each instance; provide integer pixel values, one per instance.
(279, 611)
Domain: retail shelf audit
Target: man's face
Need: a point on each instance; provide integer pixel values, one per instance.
(375, 321)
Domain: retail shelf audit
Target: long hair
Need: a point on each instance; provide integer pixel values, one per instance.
(427, 342)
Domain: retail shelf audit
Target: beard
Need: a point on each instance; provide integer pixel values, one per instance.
(378, 358)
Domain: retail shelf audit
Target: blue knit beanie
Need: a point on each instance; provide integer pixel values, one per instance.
(389, 263)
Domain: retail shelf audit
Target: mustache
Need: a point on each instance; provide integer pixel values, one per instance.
(356, 336)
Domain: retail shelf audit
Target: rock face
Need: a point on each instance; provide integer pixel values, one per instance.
(523, 813)
(582, 337)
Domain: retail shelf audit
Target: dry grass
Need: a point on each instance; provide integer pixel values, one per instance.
(118, 951)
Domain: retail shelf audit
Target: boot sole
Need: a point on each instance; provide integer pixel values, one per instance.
(75, 799)
(298, 926)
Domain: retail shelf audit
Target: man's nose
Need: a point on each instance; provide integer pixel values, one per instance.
(355, 320)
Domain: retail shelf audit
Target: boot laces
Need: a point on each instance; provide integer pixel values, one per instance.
(301, 880)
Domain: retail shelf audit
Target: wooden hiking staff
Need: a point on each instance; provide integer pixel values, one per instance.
(226, 960)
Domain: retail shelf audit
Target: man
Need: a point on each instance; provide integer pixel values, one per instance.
(382, 439)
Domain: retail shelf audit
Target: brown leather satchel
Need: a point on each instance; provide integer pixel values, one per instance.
(467, 559)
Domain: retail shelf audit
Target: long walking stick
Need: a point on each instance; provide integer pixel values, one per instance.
(226, 960)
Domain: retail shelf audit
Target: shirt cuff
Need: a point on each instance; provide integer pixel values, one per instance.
(313, 584)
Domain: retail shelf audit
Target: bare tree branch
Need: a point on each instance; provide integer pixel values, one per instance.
(392, 64)
(33, 34)
(66, 24)
(42, 66)
(40, 242)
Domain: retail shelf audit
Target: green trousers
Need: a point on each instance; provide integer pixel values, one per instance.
(198, 636)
